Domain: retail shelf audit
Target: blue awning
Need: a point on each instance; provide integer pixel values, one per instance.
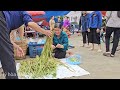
(48, 14)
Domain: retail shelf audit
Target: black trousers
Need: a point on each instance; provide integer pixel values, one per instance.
(84, 35)
(59, 53)
(116, 37)
(94, 37)
(6, 49)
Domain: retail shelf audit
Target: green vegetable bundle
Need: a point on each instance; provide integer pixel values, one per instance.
(40, 66)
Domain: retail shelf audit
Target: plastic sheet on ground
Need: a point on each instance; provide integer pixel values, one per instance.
(63, 72)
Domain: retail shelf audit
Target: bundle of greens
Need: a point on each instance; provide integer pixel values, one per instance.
(42, 66)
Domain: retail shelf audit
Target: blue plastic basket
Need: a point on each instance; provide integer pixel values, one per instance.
(76, 62)
(35, 49)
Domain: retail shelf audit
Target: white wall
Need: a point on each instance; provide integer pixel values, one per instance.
(75, 15)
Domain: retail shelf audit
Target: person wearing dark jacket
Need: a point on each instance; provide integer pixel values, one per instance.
(94, 27)
(10, 20)
(84, 24)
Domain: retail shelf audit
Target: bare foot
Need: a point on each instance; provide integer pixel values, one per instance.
(99, 50)
(87, 46)
(91, 49)
(83, 46)
(70, 53)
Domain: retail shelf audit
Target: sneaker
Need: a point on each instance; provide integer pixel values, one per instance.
(111, 55)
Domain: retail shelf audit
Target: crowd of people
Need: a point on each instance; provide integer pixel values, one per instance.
(90, 25)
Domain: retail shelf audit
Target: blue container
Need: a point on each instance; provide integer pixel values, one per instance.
(35, 49)
(76, 62)
(39, 51)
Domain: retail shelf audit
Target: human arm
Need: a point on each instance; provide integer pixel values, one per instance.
(27, 19)
(80, 23)
(37, 28)
(99, 21)
(19, 50)
(88, 22)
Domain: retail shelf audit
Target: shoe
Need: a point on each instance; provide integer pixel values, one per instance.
(111, 55)
(106, 54)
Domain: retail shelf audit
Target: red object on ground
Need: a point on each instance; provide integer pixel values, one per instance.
(36, 13)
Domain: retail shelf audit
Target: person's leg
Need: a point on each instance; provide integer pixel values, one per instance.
(107, 38)
(109, 31)
(115, 40)
(84, 38)
(92, 38)
(7, 55)
(59, 54)
(98, 41)
(87, 34)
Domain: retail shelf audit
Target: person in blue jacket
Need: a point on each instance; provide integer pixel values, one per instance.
(84, 19)
(60, 43)
(94, 27)
(10, 20)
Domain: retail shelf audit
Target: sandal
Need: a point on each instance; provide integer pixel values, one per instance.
(106, 54)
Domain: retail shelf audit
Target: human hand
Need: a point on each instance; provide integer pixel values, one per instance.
(98, 30)
(19, 51)
(53, 47)
(59, 46)
(88, 30)
(48, 33)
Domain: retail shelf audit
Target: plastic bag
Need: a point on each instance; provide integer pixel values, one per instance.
(74, 59)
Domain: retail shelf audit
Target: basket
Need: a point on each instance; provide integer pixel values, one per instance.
(35, 49)
(77, 60)
(23, 45)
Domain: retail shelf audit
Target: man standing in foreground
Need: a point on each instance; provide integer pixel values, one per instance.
(10, 20)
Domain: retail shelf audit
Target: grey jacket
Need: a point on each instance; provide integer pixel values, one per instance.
(112, 19)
